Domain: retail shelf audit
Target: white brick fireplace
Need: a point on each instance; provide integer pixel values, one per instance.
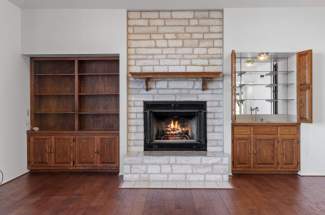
(175, 41)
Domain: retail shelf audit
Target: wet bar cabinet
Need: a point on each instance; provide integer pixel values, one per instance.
(271, 97)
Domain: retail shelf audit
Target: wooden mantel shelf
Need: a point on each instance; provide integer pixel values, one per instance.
(205, 76)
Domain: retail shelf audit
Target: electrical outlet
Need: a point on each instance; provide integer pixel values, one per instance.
(1, 176)
(27, 119)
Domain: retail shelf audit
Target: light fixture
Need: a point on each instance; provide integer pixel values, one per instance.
(249, 62)
(263, 56)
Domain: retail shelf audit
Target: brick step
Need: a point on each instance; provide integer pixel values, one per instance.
(207, 167)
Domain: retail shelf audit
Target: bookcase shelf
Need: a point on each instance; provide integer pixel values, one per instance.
(98, 113)
(100, 74)
(53, 74)
(75, 94)
(99, 94)
(54, 112)
(54, 94)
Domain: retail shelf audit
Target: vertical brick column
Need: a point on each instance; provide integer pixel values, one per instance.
(175, 41)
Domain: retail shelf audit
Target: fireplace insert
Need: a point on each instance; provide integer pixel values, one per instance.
(175, 126)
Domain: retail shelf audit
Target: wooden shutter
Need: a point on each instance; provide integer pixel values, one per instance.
(304, 86)
(233, 85)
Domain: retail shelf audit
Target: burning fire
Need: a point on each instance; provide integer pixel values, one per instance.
(174, 128)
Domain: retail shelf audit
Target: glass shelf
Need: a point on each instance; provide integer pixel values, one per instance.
(268, 73)
(267, 100)
(266, 85)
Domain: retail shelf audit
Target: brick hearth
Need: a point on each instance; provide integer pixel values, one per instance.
(176, 166)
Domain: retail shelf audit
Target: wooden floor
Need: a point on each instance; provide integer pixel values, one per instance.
(99, 194)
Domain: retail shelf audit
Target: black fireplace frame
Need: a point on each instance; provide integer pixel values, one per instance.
(198, 107)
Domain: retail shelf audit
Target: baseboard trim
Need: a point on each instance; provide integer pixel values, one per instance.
(11, 180)
(311, 174)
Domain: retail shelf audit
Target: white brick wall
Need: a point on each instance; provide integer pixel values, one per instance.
(175, 41)
(163, 30)
(209, 167)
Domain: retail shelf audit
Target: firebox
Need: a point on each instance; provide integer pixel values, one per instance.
(175, 126)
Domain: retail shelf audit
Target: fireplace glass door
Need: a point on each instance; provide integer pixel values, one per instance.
(175, 126)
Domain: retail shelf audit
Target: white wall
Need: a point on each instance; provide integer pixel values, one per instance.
(76, 32)
(13, 94)
(283, 30)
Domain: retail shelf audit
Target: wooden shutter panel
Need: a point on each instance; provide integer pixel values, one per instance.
(233, 85)
(304, 86)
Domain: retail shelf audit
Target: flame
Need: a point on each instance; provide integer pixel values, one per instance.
(174, 130)
(174, 125)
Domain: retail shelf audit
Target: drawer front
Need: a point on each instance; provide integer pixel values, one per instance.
(288, 130)
(242, 130)
(265, 130)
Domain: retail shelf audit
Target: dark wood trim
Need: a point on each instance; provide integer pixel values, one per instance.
(264, 172)
(71, 132)
(31, 93)
(205, 76)
(72, 57)
(76, 96)
(161, 75)
(80, 169)
(265, 123)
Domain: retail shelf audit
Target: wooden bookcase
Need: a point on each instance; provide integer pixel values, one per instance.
(76, 98)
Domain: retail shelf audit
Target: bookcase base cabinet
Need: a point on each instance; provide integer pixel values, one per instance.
(265, 148)
(73, 152)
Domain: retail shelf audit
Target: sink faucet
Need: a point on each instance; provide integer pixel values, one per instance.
(255, 109)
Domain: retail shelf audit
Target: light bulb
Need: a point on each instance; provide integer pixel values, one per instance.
(249, 62)
(263, 56)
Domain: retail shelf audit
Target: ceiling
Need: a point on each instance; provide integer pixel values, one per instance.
(163, 4)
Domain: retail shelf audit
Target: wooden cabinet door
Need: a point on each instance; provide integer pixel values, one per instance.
(265, 152)
(289, 153)
(85, 151)
(40, 151)
(304, 86)
(62, 153)
(107, 150)
(242, 158)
